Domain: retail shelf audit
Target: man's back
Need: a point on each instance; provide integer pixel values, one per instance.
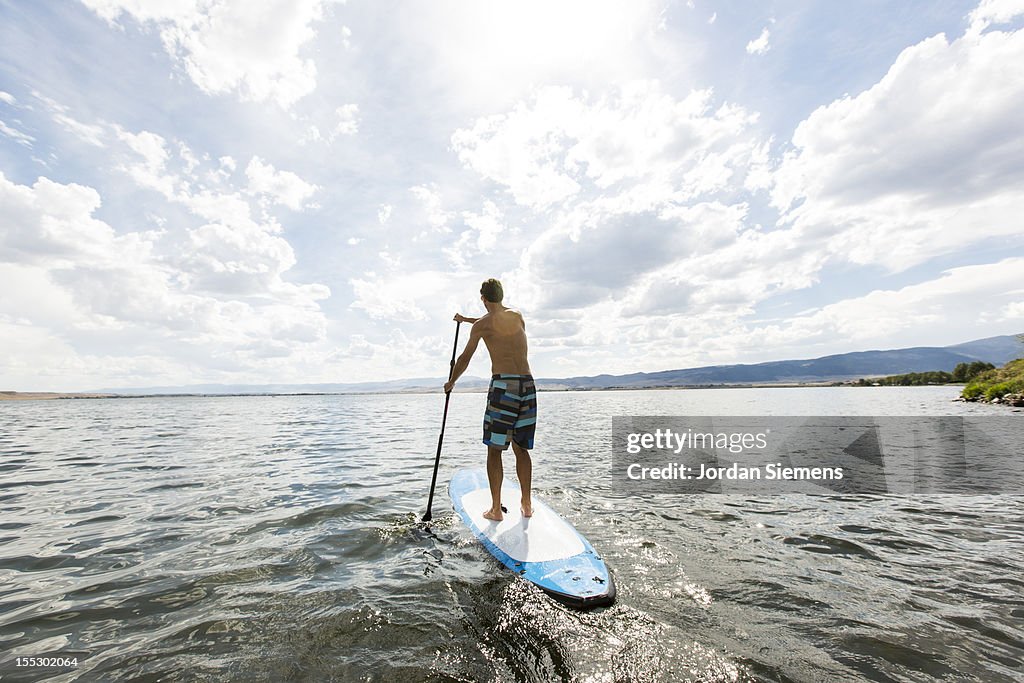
(511, 415)
(504, 333)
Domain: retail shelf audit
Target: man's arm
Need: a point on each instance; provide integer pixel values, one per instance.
(463, 319)
(463, 362)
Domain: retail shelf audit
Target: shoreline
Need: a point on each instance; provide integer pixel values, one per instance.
(49, 395)
(56, 395)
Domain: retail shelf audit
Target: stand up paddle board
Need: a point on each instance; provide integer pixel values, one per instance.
(544, 549)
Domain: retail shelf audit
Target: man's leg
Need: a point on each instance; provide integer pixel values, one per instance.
(524, 470)
(494, 476)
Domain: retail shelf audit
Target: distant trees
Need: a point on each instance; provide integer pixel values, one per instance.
(965, 372)
(962, 373)
(911, 379)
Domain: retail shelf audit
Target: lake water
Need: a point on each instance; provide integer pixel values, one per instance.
(277, 539)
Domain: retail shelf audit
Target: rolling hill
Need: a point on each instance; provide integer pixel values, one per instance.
(836, 367)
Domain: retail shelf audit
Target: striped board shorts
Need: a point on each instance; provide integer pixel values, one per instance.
(511, 413)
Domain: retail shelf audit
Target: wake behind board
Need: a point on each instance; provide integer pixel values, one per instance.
(544, 549)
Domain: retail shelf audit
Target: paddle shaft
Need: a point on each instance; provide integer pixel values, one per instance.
(444, 419)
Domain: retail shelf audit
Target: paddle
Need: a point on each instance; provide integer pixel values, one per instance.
(444, 419)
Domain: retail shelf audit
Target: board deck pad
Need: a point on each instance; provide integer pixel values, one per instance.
(544, 549)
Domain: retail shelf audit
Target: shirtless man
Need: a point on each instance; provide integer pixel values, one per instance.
(511, 414)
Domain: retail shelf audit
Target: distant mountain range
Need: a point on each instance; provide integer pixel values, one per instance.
(838, 367)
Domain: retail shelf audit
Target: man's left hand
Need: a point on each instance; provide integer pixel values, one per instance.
(448, 387)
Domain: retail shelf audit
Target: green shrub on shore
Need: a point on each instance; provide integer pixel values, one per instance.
(996, 383)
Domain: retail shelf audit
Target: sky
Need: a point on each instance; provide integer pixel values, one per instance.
(306, 191)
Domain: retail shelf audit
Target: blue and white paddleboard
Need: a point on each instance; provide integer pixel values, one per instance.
(544, 549)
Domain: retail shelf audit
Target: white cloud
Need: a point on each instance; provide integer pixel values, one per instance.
(397, 297)
(495, 52)
(759, 45)
(990, 12)
(638, 145)
(16, 135)
(892, 177)
(232, 253)
(624, 213)
(92, 134)
(253, 49)
(653, 182)
(481, 235)
(436, 216)
(7, 98)
(52, 223)
(485, 227)
(51, 226)
(283, 187)
(1012, 311)
(348, 120)
(150, 170)
(961, 302)
(210, 295)
(86, 133)
(899, 174)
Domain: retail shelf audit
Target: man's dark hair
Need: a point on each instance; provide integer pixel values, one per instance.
(492, 291)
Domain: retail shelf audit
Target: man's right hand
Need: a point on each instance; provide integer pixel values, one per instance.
(459, 318)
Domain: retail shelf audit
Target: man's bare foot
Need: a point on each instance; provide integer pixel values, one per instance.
(527, 509)
(493, 516)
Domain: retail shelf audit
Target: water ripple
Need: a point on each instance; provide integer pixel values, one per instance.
(278, 538)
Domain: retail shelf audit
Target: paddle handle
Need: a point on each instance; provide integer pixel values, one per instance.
(444, 419)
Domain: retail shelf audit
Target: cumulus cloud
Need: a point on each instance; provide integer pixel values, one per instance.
(1011, 312)
(646, 230)
(430, 201)
(143, 276)
(348, 120)
(974, 296)
(282, 187)
(396, 297)
(216, 283)
(52, 223)
(640, 224)
(252, 49)
(147, 166)
(479, 237)
(902, 172)
(234, 252)
(759, 45)
(644, 176)
(639, 145)
(990, 12)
